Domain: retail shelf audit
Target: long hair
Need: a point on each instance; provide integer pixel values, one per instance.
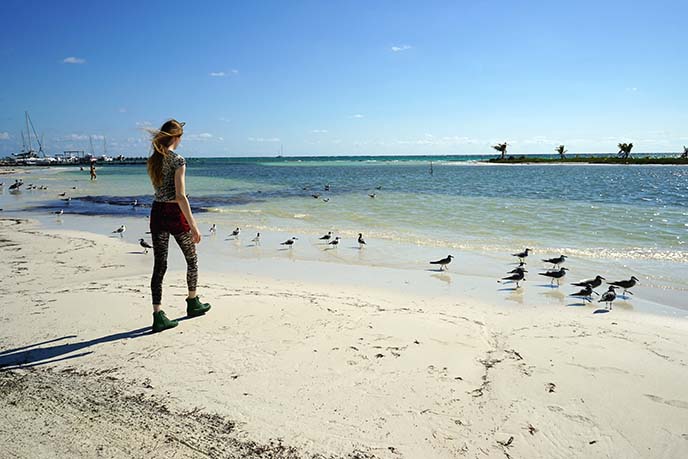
(160, 142)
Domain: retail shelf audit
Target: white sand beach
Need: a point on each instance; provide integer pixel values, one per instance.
(290, 364)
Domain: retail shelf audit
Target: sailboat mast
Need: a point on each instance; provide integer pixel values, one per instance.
(28, 132)
(90, 140)
(38, 140)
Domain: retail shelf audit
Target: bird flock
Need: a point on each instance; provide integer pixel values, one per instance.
(557, 272)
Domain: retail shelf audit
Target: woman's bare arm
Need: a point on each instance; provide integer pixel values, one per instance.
(183, 201)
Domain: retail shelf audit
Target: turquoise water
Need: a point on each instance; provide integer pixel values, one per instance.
(629, 219)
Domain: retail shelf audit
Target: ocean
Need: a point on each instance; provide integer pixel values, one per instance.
(632, 217)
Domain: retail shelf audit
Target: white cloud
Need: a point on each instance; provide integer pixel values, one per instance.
(4, 136)
(205, 135)
(79, 137)
(144, 124)
(224, 74)
(357, 116)
(73, 60)
(263, 139)
(400, 48)
(319, 131)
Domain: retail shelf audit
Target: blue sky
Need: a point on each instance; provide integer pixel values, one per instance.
(349, 77)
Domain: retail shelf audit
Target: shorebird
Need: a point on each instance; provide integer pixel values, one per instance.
(135, 203)
(256, 240)
(443, 262)
(213, 229)
(517, 277)
(555, 261)
(326, 237)
(145, 245)
(67, 200)
(361, 241)
(62, 194)
(315, 196)
(626, 284)
(608, 297)
(289, 242)
(372, 195)
(235, 233)
(335, 242)
(16, 184)
(326, 199)
(594, 283)
(120, 230)
(521, 267)
(379, 187)
(522, 255)
(59, 212)
(327, 187)
(555, 275)
(585, 293)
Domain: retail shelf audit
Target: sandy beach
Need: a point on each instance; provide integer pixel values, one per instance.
(288, 367)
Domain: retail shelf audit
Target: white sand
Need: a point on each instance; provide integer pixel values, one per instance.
(331, 370)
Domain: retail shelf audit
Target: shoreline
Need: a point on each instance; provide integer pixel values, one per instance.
(378, 372)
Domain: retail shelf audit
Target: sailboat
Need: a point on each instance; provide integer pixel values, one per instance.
(28, 154)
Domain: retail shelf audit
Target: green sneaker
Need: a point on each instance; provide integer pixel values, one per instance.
(161, 322)
(195, 308)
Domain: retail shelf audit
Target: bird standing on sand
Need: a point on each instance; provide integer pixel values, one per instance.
(521, 267)
(145, 245)
(326, 237)
(372, 195)
(213, 229)
(555, 275)
(361, 241)
(555, 261)
(62, 195)
(608, 297)
(59, 212)
(135, 203)
(289, 242)
(517, 277)
(522, 255)
(256, 240)
(120, 230)
(626, 284)
(16, 184)
(235, 233)
(335, 242)
(443, 262)
(585, 293)
(594, 283)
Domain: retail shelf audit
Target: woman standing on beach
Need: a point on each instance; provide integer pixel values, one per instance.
(171, 214)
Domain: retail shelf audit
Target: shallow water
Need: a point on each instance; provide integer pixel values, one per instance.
(626, 219)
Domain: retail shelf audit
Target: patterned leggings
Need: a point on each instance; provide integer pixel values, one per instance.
(161, 244)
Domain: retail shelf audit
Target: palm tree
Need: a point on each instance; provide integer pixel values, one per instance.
(685, 152)
(501, 147)
(625, 150)
(561, 150)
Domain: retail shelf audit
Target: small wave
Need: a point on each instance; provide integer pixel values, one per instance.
(301, 216)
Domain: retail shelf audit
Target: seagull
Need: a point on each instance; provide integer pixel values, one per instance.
(235, 233)
(213, 229)
(68, 200)
(120, 230)
(16, 184)
(326, 199)
(256, 240)
(289, 242)
(521, 267)
(135, 203)
(145, 245)
(585, 293)
(594, 283)
(361, 241)
(626, 284)
(326, 237)
(59, 212)
(555, 261)
(316, 196)
(327, 187)
(379, 187)
(443, 262)
(608, 297)
(372, 195)
(523, 255)
(517, 277)
(555, 275)
(62, 194)
(335, 242)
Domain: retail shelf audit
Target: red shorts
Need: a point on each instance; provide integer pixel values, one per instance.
(167, 217)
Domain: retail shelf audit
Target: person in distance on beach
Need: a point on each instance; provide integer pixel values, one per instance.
(93, 170)
(171, 214)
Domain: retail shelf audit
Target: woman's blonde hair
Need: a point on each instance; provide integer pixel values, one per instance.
(161, 141)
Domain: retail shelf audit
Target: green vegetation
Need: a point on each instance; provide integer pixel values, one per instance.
(682, 159)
